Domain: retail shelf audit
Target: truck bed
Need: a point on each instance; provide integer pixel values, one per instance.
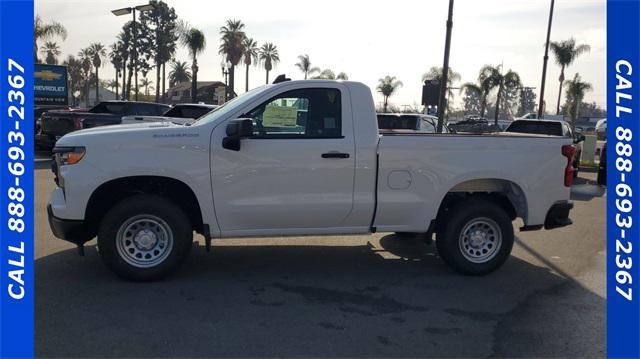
(417, 170)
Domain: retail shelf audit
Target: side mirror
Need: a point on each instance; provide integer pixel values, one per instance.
(236, 130)
(578, 138)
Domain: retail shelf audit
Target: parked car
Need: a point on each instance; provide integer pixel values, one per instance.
(397, 122)
(302, 158)
(552, 128)
(55, 124)
(534, 116)
(602, 166)
(601, 129)
(39, 110)
(179, 114)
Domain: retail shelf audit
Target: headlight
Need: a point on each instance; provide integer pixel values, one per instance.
(68, 155)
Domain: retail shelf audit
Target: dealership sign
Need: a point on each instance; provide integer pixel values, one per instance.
(50, 85)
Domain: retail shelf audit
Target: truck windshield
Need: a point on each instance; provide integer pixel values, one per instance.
(230, 106)
(108, 107)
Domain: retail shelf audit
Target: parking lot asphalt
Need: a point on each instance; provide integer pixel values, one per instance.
(374, 296)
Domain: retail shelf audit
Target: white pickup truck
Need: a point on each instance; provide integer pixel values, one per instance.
(301, 158)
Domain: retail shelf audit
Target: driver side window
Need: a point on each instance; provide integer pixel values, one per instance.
(304, 113)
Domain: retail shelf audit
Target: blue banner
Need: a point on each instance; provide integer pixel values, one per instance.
(623, 180)
(50, 85)
(16, 184)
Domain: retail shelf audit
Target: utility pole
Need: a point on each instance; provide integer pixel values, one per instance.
(445, 70)
(135, 51)
(544, 63)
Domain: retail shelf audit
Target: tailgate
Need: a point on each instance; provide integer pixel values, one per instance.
(57, 124)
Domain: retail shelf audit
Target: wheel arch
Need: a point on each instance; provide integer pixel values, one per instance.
(111, 192)
(505, 193)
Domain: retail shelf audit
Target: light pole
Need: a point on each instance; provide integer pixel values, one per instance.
(129, 10)
(225, 65)
(544, 62)
(445, 69)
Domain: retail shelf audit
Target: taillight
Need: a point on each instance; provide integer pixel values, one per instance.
(77, 124)
(568, 151)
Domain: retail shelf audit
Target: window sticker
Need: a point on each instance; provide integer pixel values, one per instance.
(279, 116)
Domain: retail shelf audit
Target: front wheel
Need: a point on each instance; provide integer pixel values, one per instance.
(145, 237)
(477, 238)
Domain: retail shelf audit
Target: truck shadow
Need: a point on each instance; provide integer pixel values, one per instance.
(585, 190)
(387, 297)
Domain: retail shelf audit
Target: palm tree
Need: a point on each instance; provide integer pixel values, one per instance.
(112, 84)
(51, 50)
(146, 84)
(98, 52)
(86, 58)
(179, 73)
(566, 53)
(435, 73)
(510, 79)
(387, 86)
(118, 63)
(195, 41)
(486, 83)
(304, 64)
(576, 90)
(269, 57)
(326, 74)
(74, 71)
(45, 31)
(250, 56)
(232, 46)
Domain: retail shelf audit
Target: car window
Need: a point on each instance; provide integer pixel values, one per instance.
(116, 108)
(536, 127)
(427, 126)
(174, 112)
(304, 113)
(395, 122)
(194, 112)
(145, 109)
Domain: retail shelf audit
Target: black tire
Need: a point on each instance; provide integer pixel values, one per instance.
(448, 237)
(173, 222)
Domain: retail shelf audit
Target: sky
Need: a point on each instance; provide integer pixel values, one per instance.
(371, 39)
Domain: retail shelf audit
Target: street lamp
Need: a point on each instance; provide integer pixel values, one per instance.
(445, 69)
(225, 73)
(126, 11)
(544, 62)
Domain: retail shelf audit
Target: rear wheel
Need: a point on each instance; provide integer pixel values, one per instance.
(145, 237)
(477, 238)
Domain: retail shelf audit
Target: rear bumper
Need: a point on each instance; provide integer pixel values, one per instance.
(73, 231)
(557, 216)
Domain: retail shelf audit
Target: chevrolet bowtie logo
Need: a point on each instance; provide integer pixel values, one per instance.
(47, 75)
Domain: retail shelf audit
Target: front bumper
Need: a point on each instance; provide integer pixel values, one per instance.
(74, 231)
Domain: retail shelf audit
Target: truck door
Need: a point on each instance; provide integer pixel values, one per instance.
(295, 174)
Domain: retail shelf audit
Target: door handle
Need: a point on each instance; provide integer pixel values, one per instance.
(335, 155)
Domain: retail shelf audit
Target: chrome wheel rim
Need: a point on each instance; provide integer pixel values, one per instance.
(480, 240)
(144, 241)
